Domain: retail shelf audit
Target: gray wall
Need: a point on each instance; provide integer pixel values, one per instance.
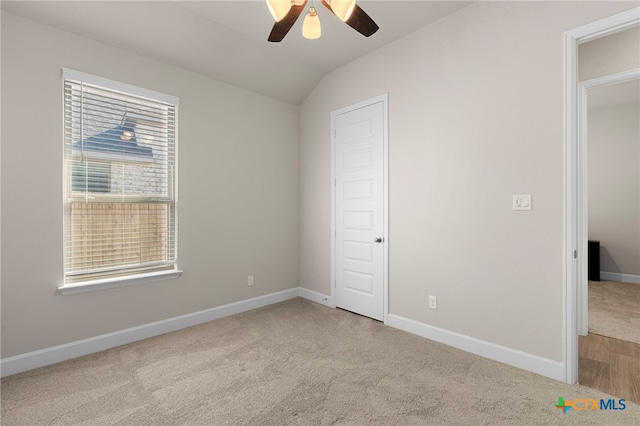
(614, 184)
(613, 151)
(609, 55)
(238, 199)
(475, 116)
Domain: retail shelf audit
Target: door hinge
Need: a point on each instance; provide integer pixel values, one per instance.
(575, 254)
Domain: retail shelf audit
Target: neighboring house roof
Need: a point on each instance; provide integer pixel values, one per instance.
(110, 142)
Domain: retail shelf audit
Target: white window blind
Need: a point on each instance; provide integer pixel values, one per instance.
(120, 179)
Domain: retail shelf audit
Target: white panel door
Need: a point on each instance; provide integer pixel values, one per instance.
(359, 215)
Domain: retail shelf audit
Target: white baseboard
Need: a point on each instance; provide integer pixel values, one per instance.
(40, 358)
(314, 296)
(625, 278)
(48, 356)
(523, 360)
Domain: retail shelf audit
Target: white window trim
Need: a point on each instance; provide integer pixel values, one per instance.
(134, 279)
(68, 74)
(115, 282)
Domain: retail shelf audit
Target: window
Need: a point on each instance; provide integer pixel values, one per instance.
(120, 181)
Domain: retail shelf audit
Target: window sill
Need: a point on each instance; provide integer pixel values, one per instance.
(107, 283)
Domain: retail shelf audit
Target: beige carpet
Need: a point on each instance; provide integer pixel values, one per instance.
(614, 310)
(297, 363)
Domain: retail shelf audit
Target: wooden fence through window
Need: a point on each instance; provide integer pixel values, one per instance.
(106, 235)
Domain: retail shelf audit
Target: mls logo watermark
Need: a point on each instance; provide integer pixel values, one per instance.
(589, 404)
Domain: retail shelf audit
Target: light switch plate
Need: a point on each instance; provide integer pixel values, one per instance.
(522, 202)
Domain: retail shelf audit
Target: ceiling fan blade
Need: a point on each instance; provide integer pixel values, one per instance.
(328, 6)
(282, 27)
(359, 20)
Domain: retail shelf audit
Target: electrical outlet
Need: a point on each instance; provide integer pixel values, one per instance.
(250, 280)
(433, 302)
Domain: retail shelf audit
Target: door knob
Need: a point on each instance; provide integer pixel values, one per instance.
(377, 240)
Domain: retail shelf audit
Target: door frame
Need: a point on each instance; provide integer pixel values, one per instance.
(575, 197)
(384, 98)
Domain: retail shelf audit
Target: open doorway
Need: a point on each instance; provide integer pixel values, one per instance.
(609, 133)
(613, 205)
(576, 215)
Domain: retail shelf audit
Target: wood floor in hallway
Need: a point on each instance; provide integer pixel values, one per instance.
(610, 365)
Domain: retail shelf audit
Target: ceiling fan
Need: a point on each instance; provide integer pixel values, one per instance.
(286, 12)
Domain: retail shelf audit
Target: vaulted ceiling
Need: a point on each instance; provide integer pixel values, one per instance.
(227, 40)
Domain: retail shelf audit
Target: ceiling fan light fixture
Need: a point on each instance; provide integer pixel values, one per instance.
(343, 8)
(311, 26)
(279, 8)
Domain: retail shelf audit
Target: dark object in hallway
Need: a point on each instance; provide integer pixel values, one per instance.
(594, 260)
